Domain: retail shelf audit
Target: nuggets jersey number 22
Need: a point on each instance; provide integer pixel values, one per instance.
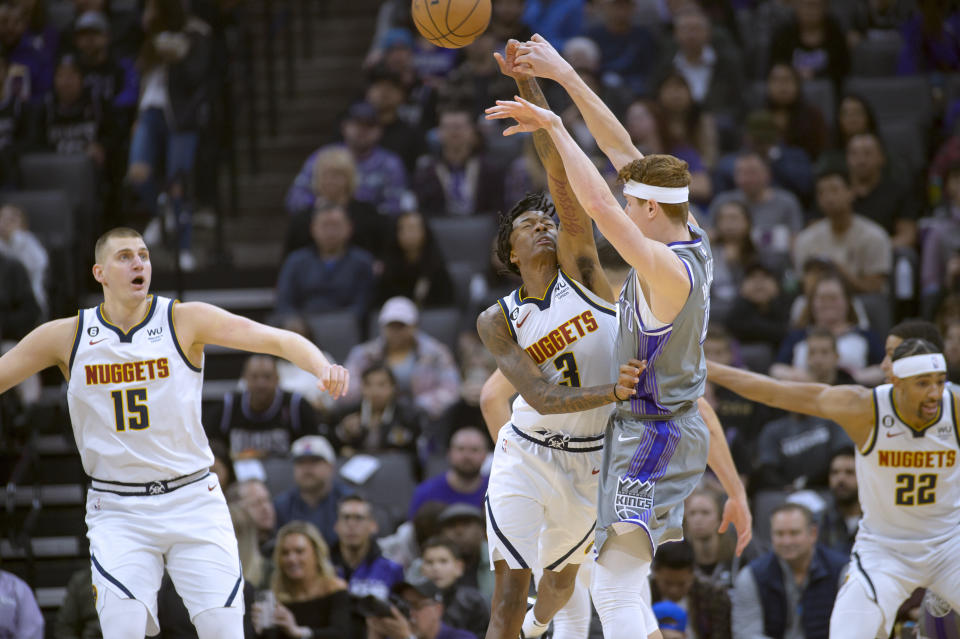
(569, 334)
(910, 481)
(134, 399)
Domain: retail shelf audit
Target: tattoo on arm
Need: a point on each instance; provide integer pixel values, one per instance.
(528, 379)
(572, 219)
(531, 92)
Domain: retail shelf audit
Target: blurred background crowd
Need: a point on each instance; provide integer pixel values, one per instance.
(823, 139)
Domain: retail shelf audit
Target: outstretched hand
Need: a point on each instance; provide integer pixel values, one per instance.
(529, 116)
(737, 512)
(507, 61)
(539, 58)
(335, 380)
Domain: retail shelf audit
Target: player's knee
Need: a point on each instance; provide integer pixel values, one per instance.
(219, 623)
(511, 597)
(122, 618)
(856, 614)
(560, 582)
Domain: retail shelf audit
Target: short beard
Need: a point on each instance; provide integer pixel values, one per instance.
(466, 476)
(846, 500)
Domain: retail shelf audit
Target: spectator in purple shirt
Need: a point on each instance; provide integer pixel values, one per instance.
(35, 51)
(464, 481)
(20, 616)
(381, 178)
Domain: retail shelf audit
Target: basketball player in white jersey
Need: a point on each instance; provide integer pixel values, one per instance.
(551, 338)
(657, 445)
(134, 370)
(908, 443)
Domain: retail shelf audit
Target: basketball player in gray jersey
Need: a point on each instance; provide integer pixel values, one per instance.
(657, 445)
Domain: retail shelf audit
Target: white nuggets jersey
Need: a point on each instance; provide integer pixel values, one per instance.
(135, 399)
(569, 334)
(909, 480)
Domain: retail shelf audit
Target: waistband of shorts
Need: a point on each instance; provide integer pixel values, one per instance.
(626, 413)
(561, 441)
(160, 487)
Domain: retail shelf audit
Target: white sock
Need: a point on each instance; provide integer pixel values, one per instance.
(531, 627)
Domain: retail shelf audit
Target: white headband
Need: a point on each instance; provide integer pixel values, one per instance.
(919, 365)
(662, 194)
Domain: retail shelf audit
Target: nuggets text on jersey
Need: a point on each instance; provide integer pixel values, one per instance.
(127, 372)
(562, 336)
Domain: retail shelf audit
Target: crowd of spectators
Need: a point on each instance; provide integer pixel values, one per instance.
(833, 216)
(133, 87)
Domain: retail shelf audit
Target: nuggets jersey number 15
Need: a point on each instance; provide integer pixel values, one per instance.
(134, 399)
(909, 481)
(569, 334)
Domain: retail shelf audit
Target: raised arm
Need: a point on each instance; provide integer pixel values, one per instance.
(45, 346)
(540, 58)
(737, 510)
(576, 248)
(545, 397)
(495, 402)
(199, 323)
(657, 264)
(849, 406)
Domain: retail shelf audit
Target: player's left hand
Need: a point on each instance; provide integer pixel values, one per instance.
(507, 61)
(335, 380)
(737, 512)
(538, 57)
(529, 116)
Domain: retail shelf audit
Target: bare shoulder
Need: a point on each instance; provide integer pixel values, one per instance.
(490, 320)
(58, 334)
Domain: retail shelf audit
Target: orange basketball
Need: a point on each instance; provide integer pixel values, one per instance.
(451, 23)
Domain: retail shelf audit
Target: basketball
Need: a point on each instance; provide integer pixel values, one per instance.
(451, 23)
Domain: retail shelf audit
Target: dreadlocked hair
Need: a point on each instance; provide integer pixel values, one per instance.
(913, 346)
(538, 201)
(918, 328)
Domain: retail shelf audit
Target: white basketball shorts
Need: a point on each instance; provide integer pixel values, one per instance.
(187, 530)
(541, 502)
(889, 570)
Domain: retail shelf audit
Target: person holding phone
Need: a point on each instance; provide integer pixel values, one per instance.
(421, 617)
(311, 602)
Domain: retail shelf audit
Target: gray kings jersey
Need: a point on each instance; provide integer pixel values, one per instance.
(568, 333)
(676, 369)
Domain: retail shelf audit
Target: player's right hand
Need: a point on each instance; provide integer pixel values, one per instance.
(537, 56)
(629, 378)
(507, 61)
(335, 380)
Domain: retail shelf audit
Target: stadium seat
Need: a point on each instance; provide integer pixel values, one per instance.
(820, 94)
(461, 273)
(905, 144)
(464, 239)
(75, 176)
(50, 215)
(389, 489)
(442, 324)
(335, 332)
(895, 98)
(878, 56)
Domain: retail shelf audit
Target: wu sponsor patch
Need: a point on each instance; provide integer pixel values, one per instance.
(633, 497)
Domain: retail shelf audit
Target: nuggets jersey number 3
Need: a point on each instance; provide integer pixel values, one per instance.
(135, 399)
(569, 334)
(910, 481)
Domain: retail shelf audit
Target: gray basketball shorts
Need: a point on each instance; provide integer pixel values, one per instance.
(649, 468)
